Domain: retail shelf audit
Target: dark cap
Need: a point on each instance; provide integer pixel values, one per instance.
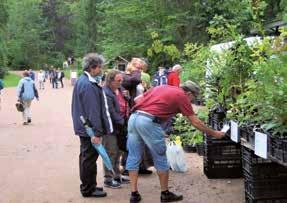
(190, 86)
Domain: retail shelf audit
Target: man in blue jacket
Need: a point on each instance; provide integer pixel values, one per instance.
(26, 92)
(90, 102)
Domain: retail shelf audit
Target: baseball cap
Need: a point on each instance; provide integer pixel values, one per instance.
(190, 86)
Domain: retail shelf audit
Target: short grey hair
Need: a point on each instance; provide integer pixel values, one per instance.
(177, 67)
(111, 76)
(92, 60)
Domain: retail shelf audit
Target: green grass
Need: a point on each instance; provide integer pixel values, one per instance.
(11, 80)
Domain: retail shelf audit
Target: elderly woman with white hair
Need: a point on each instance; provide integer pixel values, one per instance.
(174, 76)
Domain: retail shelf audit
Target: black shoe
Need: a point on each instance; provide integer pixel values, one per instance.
(123, 180)
(168, 196)
(125, 173)
(135, 197)
(145, 172)
(25, 123)
(29, 120)
(96, 193)
(112, 184)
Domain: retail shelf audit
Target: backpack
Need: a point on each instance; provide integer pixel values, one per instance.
(160, 79)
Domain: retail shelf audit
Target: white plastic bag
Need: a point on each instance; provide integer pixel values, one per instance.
(176, 157)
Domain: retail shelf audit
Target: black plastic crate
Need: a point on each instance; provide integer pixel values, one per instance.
(200, 149)
(247, 134)
(222, 169)
(216, 119)
(223, 151)
(208, 139)
(260, 168)
(265, 188)
(249, 199)
(278, 148)
(215, 170)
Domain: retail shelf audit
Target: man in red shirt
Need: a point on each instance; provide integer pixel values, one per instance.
(151, 109)
(173, 78)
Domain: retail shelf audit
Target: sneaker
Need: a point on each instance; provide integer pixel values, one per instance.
(168, 196)
(135, 197)
(112, 184)
(123, 180)
(96, 193)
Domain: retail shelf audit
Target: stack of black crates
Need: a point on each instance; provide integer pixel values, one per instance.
(222, 157)
(265, 181)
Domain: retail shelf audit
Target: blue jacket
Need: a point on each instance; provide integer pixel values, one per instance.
(114, 107)
(26, 89)
(90, 102)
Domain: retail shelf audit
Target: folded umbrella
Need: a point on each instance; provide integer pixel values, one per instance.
(99, 147)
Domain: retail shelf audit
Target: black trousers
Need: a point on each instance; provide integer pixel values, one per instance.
(88, 166)
(61, 81)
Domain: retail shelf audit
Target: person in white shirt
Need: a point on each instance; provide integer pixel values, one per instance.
(41, 79)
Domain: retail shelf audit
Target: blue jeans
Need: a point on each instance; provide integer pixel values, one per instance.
(142, 130)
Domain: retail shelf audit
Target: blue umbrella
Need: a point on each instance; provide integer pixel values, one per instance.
(99, 147)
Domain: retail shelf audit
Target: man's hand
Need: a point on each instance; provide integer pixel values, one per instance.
(96, 140)
(218, 134)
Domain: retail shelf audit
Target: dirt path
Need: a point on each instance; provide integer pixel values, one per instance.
(39, 163)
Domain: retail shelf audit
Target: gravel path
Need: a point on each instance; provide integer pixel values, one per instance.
(39, 162)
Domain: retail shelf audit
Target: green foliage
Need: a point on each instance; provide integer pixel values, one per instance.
(194, 63)
(11, 80)
(160, 54)
(189, 135)
(229, 72)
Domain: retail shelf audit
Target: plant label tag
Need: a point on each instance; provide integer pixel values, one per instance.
(234, 132)
(225, 128)
(260, 145)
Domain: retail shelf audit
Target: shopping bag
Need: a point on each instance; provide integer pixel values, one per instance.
(176, 158)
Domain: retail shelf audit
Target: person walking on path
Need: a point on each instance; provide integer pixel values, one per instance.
(54, 78)
(32, 74)
(89, 101)
(113, 82)
(144, 128)
(41, 79)
(26, 92)
(60, 75)
(173, 77)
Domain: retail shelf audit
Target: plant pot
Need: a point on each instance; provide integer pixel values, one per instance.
(200, 149)
(189, 148)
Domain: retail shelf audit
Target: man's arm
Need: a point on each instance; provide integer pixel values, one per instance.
(198, 124)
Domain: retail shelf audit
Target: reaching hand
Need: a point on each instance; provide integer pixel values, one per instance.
(218, 134)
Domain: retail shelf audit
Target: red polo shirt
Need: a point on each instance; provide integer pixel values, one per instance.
(173, 79)
(164, 102)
